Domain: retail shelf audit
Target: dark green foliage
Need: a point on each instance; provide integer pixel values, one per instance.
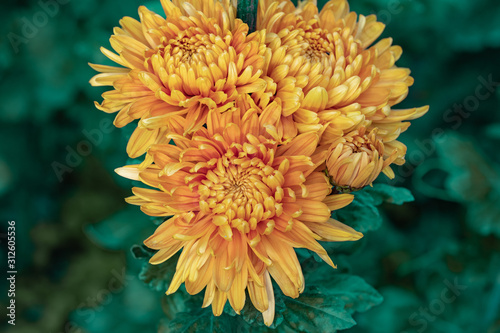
(384, 193)
(158, 277)
(251, 319)
(353, 290)
(316, 311)
(362, 214)
(197, 321)
(470, 179)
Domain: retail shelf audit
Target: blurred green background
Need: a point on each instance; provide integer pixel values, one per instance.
(76, 272)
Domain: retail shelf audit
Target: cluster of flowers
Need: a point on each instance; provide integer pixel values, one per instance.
(253, 139)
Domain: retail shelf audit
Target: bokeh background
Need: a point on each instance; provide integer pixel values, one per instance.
(436, 260)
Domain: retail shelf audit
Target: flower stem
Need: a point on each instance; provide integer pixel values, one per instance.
(247, 12)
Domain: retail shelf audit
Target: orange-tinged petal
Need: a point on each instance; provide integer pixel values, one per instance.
(258, 295)
(140, 141)
(303, 144)
(165, 253)
(218, 302)
(335, 231)
(338, 201)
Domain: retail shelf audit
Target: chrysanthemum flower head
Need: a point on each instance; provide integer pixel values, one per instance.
(240, 203)
(175, 70)
(356, 159)
(321, 67)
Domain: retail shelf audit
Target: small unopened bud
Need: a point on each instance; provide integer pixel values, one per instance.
(356, 159)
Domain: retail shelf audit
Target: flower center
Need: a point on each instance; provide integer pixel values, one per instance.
(185, 48)
(361, 144)
(317, 47)
(365, 142)
(189, 46)
(241, 193)
(182, 49)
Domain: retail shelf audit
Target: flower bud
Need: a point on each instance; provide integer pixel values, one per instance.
(356, 159)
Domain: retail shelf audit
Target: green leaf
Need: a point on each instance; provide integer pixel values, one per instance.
(252, 318)
(325, 306)
(200, 320)
(317, 311)
(158, 277)
(141, 252)
(386, 193)
(471, 178)
(362, 214)
(178, 302)
(358, 295)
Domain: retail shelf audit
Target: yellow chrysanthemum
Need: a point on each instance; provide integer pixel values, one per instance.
(240, 203)
(356, 159)
(327, 78)
(175, 70)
